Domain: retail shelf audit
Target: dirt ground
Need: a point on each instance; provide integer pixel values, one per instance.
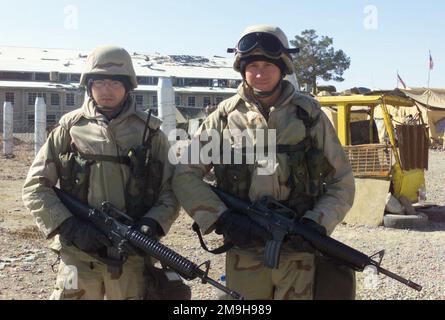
(26, 270)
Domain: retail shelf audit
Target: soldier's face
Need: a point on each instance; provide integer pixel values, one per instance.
(108, 93)
(263, 75)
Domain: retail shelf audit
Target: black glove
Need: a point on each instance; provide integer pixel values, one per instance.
(313, 225)
(83, 235)
(241, 230)
(149, 227)
(300, 244)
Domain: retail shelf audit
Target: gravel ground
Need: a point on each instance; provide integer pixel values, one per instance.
(419, 255)
(435, 178)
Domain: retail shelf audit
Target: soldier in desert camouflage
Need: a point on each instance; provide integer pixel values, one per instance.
(306, 143)
(93, 154)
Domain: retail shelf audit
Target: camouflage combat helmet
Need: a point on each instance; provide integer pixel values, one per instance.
(109, 61)
(274, 33)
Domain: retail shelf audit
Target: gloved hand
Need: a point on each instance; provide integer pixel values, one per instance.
(242, 231)
(83, 235)
(313, 225)
(149, 227)
(300, 244)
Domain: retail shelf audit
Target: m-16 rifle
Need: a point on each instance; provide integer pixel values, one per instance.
(284, 224)
(126, 238)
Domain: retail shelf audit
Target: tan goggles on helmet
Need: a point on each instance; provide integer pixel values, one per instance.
(270, 44)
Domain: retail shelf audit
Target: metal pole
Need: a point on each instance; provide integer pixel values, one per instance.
(40, 124)
(166, 105)
(8, 128)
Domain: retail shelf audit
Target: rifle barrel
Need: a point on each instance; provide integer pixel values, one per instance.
(409, 283)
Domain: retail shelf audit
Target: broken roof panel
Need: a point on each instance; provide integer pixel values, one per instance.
(18, 59)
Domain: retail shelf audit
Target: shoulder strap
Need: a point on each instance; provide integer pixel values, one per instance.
(307, 142)
(303, 115)
(104, 158)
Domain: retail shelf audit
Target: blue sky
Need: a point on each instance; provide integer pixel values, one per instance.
(380, 37)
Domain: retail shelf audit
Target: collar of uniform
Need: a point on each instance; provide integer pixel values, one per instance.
(90, 111)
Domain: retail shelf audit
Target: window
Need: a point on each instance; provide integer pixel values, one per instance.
(63, 77)
(191, 101)
(223, 83)
(154, 101)
(148, 81)
(40, 76)
(178, 100)
(207, 101)
(32, 96)
(190, 82)
(178, 82)
(75, 77)
(51, 120)
(9, 97)
(30, 120)
(234, 83)
(219, 100)
(70, 100)
(55, 99)
(139, 100)
(16, 76)
(142, 80)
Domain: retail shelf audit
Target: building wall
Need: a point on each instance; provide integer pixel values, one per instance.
(215, 98)
(24, 111)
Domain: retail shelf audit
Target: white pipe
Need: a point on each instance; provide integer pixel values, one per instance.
(40, 124)
(8, 124)
(166, 105)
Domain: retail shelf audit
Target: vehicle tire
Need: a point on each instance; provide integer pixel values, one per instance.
(405, 222)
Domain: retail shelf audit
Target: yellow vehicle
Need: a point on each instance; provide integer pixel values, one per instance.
(393, 158)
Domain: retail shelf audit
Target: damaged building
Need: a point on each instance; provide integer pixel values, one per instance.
(54, 74)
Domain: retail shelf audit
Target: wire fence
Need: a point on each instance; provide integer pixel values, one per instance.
(23, 142)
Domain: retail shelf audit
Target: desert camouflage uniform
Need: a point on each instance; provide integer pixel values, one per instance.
(294, 279)
(92, 134)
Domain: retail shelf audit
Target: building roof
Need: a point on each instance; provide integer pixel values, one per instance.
(156, 65)
(38, 85)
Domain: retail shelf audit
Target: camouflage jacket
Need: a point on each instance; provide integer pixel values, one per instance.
(92, 134)
(330, 209)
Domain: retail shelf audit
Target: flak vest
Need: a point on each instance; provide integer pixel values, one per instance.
(143, 186)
